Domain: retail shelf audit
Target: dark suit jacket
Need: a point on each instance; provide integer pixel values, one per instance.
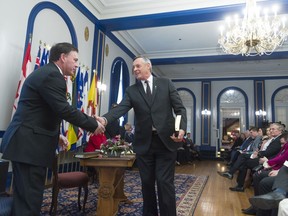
(32, 136)
(157, 113)
(112, 129)
(272, 149)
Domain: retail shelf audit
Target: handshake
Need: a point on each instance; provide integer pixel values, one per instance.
(102, 122)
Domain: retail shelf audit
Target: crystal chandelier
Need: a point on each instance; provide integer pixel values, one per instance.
(253, 34)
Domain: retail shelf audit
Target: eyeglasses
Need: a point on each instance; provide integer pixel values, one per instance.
(273, 128)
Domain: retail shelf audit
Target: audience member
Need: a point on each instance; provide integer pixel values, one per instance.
(227, 140)
(271, 151)
(235, 152)
(271, 164)
(129, 135)
(188, 151)
(272, 190)
(95, 142)
(245, 154)
(238, 140)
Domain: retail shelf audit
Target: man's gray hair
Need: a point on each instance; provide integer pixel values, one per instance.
(145, 59)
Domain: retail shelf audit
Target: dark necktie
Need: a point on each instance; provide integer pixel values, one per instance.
(148, 90)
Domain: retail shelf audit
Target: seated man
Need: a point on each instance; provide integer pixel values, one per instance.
(245, 155)
(276, 189)
(273, 164)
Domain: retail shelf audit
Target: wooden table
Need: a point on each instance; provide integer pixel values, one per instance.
(111, 182)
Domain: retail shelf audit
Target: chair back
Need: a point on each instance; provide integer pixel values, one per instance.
(3, 175)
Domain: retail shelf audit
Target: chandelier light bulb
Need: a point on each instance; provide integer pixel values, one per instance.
(258, 32)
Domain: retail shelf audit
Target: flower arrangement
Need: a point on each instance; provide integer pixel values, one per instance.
(115, 147)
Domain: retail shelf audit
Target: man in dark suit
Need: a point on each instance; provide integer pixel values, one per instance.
(272, 190)
(31, 139)
(155, 142)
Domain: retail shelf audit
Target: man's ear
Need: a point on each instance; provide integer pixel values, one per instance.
(63, 57)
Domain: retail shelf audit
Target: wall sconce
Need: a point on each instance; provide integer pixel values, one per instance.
(206, 112)
(260, 113)
(101, 87)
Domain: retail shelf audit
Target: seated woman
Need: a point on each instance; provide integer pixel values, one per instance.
(95, 142)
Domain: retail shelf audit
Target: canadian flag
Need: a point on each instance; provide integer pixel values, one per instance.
(26, 70)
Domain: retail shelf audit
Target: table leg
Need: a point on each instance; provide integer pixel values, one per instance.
(106, 203)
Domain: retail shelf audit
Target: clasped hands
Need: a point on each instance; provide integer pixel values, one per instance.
(102, 122)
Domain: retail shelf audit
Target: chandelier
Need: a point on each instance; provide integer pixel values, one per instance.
(253, 34)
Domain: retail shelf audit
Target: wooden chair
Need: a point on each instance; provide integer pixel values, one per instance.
(64, 178)
(5, 199)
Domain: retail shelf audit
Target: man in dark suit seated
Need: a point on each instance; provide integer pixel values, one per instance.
(245, 155)
(270, 152)
(273, 190)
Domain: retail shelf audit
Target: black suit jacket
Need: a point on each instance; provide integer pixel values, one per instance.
(32, 136)
(157, 113)
(272, 149)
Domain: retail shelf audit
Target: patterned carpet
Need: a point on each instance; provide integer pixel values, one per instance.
(188, 192)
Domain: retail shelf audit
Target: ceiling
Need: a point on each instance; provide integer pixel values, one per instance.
(180, 37)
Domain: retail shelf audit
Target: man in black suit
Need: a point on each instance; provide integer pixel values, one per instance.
(273, 189)
(155, 142)
(31, 139)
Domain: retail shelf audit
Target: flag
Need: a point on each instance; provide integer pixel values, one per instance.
(79, 100)
(72, 133)
(92, 95)
(84, 108)
(26, 70)
(37, 61)
(72, 137)
(67, 130)
(42, 62)
(85, 92)
(45, 56)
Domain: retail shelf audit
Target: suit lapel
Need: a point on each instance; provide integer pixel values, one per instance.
(154, 90)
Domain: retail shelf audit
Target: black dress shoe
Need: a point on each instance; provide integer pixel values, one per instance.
(237, 188)
(267, 201)
(225, 174)
(229, 164)
(249, 211)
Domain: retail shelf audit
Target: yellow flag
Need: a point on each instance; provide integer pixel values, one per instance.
(92, 94)
(71, 136)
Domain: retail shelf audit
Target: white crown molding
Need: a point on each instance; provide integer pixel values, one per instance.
(107, 9)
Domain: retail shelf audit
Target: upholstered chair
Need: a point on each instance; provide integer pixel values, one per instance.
(69, 179)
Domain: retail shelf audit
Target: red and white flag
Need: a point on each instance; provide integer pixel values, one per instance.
(26, 70)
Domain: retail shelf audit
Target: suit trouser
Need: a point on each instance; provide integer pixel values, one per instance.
(282, 179)
(264, 187)
(28, 189)
(158, 165)
(242, 158)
